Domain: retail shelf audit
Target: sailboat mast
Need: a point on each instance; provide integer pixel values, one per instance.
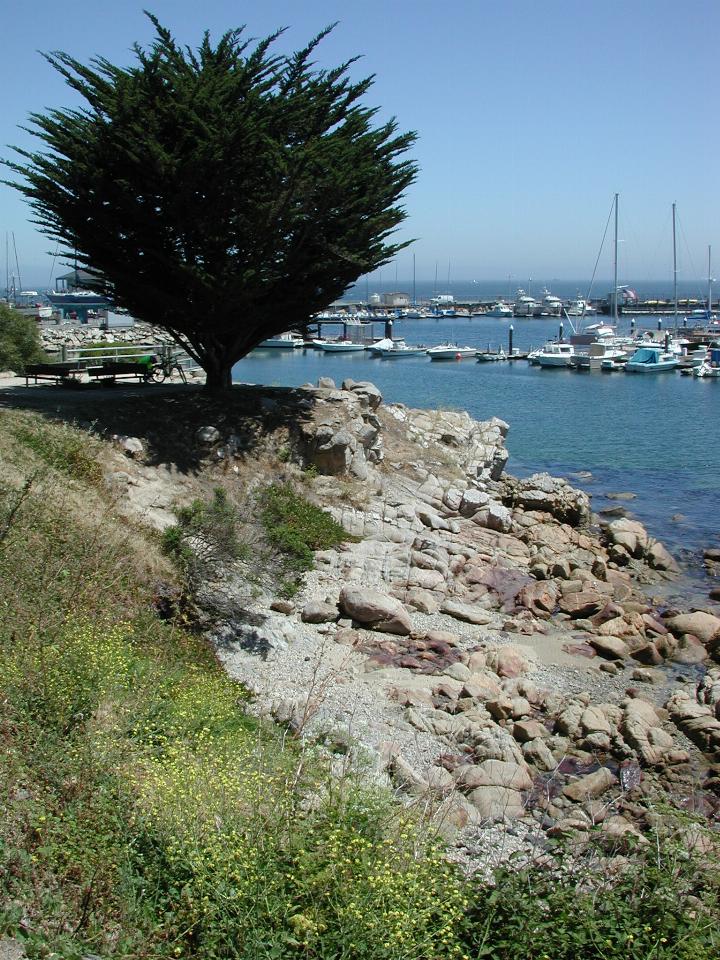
(709, 283)
(414, 296)
(675, 305)
(615, 285)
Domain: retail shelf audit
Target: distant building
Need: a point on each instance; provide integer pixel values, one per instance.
(73, 298)
(395, 300)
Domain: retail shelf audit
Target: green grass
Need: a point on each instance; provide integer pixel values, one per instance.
(61, 447)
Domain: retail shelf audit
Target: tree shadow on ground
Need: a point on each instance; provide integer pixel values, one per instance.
(167, 418)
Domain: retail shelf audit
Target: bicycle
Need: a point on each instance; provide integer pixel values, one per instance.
(160, 370)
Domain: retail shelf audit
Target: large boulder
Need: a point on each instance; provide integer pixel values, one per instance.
(591, 786)
(704, 626)
(547, 494)
(494, 773)
(369, 395)
(628, 534)
(583, 603)
(375, 610)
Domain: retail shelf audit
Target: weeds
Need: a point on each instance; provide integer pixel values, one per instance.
(61, 447)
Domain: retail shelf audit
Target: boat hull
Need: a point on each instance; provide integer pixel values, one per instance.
(651, 367)
(342, 347)
(453, 353)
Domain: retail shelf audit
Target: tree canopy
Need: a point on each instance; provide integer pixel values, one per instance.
(225, 193)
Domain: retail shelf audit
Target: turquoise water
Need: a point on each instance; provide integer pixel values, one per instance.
(655, 434)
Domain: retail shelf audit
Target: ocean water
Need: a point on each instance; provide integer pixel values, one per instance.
(655, 435)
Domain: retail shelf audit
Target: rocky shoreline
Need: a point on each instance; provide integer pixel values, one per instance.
(483, 645)
(54, 337)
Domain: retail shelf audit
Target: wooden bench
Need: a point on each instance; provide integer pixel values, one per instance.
(64, 373)
(113, 370)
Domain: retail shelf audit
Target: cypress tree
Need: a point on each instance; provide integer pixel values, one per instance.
(225, 193)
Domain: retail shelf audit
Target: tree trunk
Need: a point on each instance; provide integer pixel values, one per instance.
(219, 376)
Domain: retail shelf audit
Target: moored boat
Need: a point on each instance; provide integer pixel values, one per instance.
(593, 356)
(400, 350)
(525, 305)
(450, 351)
(555, 355)
(283, 341)
(709, 367)
(340, 346)
(500, 309)
(651, 360)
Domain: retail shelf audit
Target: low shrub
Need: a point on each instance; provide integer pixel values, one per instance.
(657, 906)
(205, 535)
(296, 527)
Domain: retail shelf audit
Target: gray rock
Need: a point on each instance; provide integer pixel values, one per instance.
(472, 500)
(375, 610)
(207, 436)
(11, 949)
(466, 612)
(494, 773)
(326, 383)
(368, 392)
(704, 626)
(265, 640)
(612, 648)
(316, 611)
(591, 786)
(498, 803)
(131, 446)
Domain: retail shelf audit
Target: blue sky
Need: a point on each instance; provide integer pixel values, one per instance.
(530, 115)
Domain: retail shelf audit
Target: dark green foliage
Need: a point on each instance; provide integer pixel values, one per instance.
(205, 534)
(297, 527)
(660, 906)
(19, 340)
(226, 194)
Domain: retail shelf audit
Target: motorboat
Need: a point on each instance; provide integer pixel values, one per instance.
(596, 353)
(609, 364)
(555, 355)
(399, 350)
(500, 309)
(709, 367)
(492, 356)
(551, 305)
(581, 308)
(525, 305)
(377, 348)
(652, 360)
(340, 346)
(450, 351)
(283, 341)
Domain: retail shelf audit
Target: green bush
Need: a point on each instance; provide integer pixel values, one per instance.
(19, 340)
(205, 535)
(296, 527)
(661, 905)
